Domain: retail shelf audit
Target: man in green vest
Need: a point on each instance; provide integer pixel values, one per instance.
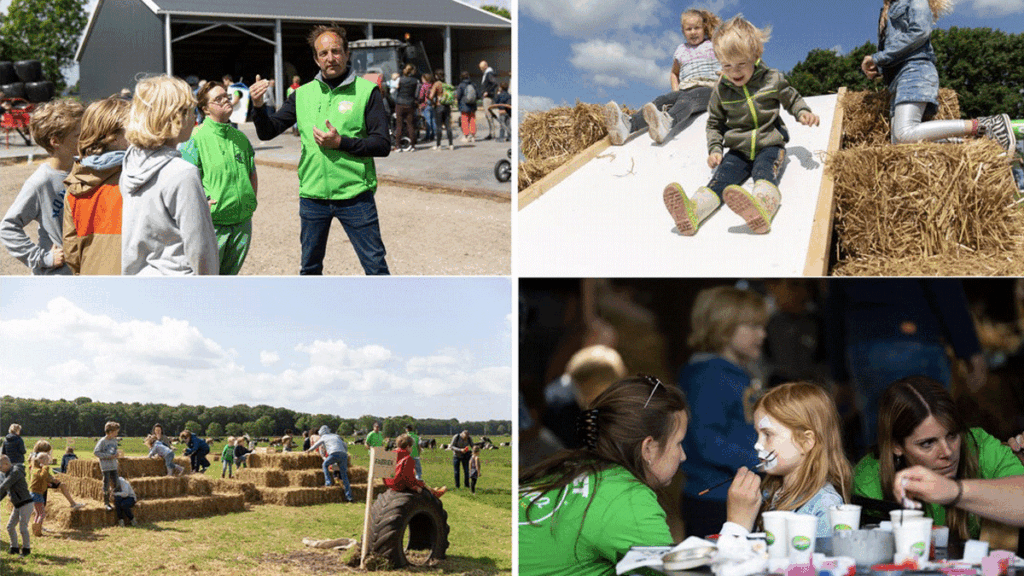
(375, 438)
(343, 125)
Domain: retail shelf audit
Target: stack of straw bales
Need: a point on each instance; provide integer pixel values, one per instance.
(126, 467)
(899, 207)
(551, 138)
(296, 479)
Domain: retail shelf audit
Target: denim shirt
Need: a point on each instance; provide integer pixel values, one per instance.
(907, 37)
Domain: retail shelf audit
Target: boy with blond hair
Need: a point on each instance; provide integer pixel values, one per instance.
(743, 116)
(54, 126)
(106, 451)
(92, 210)
(166, 225)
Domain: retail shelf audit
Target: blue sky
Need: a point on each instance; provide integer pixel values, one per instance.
(598, 50)
(437, 348)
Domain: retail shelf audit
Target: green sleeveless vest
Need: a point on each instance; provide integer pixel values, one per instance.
(333, 174)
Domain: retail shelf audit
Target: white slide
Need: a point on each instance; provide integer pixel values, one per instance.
(608, 218)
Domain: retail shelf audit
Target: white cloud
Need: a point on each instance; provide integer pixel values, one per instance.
(268, 358)
(615, 64)
(589, 18)
(993, 8)
(64, 351)
(534, 103)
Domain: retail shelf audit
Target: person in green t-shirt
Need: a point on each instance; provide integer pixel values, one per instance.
(375, 438)
(414, 451)
(581, 511)
(927, 455)
(227, 167)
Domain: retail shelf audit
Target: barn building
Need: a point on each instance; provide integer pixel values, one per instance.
(211, 38)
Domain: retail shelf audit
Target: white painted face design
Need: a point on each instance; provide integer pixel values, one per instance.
(775, 437)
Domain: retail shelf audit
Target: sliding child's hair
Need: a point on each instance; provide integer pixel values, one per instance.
(804, 407)
(738, 39)
(710, 20)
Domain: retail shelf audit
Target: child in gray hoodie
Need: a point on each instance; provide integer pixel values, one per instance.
(337, 453)
(13, 483)
(166, 228)
(55, 127)
(106, 451)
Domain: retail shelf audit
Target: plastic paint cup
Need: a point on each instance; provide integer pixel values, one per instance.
(801, 532)
(844, 517)
(940, 536)
(914, 537)
(775, 533)
(898, 516)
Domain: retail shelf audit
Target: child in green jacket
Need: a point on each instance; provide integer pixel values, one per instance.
(743, 116)
(227, 457)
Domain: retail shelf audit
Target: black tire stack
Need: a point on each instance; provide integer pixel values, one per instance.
(24, 79)
(420, 514)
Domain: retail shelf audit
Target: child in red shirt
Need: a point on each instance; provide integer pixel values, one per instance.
(405, 471)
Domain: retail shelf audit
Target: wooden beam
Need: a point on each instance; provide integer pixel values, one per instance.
(821, 229)
(538, 188)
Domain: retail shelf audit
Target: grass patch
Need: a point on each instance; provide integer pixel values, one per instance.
(267, 539)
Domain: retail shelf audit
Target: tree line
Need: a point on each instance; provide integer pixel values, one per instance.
(984, 66)
(83, 417)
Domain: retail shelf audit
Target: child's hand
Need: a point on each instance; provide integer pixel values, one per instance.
(1016, 444)
(714, 160)
(869, 67)
(808, 118)
(58, 256)
(744, 499)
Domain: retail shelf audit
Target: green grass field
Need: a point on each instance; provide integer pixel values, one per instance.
(267, 539)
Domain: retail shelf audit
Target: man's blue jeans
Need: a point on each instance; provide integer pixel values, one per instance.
(768, 164)
(359, 218)
(341, 459)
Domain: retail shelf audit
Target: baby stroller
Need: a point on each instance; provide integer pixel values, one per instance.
(503, 168)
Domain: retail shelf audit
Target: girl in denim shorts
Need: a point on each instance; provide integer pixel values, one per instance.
(906, 60)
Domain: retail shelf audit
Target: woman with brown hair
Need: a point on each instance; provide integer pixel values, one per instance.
(580, 511)
(925, 453)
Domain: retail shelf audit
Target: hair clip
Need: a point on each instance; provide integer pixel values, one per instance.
(650, 380)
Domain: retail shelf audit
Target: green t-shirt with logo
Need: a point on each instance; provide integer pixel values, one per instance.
(414, 450)
(226, 161)
(374, 439)
(560, 535)
(994, 461)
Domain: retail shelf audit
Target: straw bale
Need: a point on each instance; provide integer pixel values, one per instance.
(152, 510)
(920, 200)
(359, 491)
(263, 477)
(232, 486)
(552, 137)
(285, 460)
(135, 467)
(306, 478)
(303, 496)
(358, 474)
(866, 115)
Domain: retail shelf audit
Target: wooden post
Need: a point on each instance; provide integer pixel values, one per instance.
(382, 465)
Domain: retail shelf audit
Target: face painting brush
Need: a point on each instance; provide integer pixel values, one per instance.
(761, 465)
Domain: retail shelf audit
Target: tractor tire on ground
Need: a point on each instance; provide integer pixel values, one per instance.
(40, 91)
(29, 70)
(421, 514)
(14, 90)
(7, 73)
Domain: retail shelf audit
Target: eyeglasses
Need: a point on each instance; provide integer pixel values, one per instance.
(222, 99)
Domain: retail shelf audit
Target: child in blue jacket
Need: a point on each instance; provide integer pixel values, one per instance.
(196, 450)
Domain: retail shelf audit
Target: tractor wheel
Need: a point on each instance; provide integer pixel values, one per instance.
(420, 514)
(39, 91)
(14, 90)
(7, 73)
(29, 70)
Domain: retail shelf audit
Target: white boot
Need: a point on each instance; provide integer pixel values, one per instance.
(689, 213)
(659, 123)
(757, 208)
(617, 123)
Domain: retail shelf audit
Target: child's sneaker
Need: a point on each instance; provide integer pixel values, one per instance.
(757, 208)
(1000, 129)
(615, 121)
(121, 523)
(659, 123)
(689, 213)
(108, 507)
(26, 551)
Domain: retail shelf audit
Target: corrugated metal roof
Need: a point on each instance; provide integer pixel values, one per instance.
(419, 12)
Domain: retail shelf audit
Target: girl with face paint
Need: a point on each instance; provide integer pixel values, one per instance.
(799, 445)
(727, 334)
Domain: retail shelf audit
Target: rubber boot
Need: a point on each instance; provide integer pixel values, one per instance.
(757, 208)
(690, 213)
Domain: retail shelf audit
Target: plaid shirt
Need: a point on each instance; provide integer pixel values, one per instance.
(697, 65)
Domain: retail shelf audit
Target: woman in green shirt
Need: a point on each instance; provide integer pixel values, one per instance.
(926, 454)
(580, 511)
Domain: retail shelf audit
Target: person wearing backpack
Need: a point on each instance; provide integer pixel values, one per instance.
(441, 97)
(466, 95)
